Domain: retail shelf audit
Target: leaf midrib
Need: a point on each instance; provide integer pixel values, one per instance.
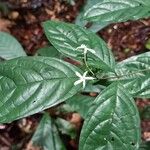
(48, 80)
(109, 64)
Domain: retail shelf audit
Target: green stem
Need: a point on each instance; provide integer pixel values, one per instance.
(89, 69)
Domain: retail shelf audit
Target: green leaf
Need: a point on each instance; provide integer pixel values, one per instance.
(71, 2)
(90, 3)
(66, 127)
(48, 51)
(96, 26)
(63, 109)
(134, 73)
(145, 113)
(147, 45)
(112, 123)
(4, 8)
(9, 47)
(93, 88)
(110, 11)
(79, 103)
(31, 84)
(47, 136)
(145, 145)
(66, 38)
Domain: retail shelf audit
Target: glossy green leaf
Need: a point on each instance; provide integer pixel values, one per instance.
(112, 123)
(31, 84)
(110, 11)
(48, 51)
(94, 27)
(66, 127)
(66, 38)
(134, 73)
(79, 103)
(90, 3)
(47, 136)
(93, 88)
(9, 47)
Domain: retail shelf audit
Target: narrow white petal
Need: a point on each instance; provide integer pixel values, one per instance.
(91, 50)
(89, 78)
(85, 73)
(83, 46)
(78, 74)
(84, 84)
(77, 82)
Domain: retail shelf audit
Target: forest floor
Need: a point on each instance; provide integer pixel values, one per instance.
(24, 18)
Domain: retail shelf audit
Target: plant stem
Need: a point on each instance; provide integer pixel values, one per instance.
(89, 69)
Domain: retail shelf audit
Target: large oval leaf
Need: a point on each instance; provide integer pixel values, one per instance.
(29, 85)
(47, 136)
(66, 38)
(113, 123)
(10, 47)
(110, 11)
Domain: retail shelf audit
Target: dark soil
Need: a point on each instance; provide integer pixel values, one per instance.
(24, 21)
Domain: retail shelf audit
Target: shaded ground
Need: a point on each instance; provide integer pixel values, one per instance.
(23, 20)
(127, 39)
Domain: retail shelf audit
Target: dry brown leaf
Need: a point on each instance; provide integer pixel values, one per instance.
(30, 146)
(5, 25)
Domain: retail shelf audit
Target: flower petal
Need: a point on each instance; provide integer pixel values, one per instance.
(91, 50)
(77, 82)
(84, 84)
(85, 73)
(89, 78)
(78, 74)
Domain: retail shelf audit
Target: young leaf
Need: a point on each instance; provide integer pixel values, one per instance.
(48, 51)
(31, 84)
(110, 11)
(79, 103)
(66, 127)
(9, 47)
(67, 38)
(112, 123)
(47, 136)
(134, 73)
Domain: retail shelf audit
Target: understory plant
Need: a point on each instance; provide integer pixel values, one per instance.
(29, 85)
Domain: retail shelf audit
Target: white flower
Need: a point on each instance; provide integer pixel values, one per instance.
(82, 79)
(85, 49)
